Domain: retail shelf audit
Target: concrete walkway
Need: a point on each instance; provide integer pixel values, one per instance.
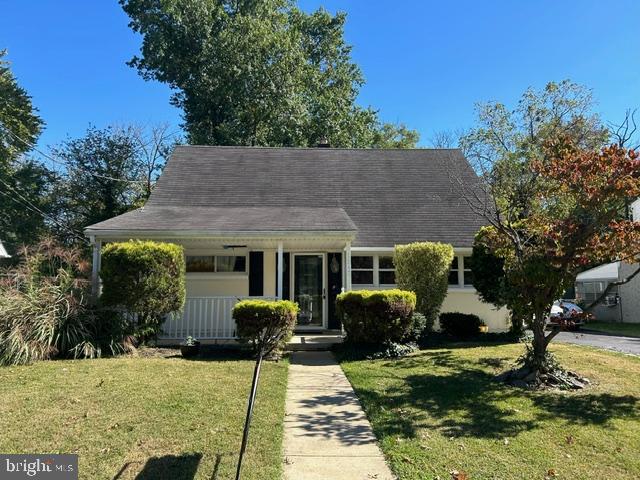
(326, 433)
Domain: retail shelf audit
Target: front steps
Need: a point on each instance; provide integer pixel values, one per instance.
(313, 342)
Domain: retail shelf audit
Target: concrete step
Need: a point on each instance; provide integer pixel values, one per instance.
(313, 342)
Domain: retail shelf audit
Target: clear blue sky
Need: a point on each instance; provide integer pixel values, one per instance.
(426, 63)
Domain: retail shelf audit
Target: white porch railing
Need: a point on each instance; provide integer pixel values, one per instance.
(204, 318)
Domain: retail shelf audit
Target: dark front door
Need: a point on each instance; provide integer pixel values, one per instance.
(334, 284)
(308, 289)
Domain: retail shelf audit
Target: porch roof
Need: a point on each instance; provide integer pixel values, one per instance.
(226, 221)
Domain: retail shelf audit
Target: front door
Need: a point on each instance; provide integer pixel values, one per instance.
(308, 289)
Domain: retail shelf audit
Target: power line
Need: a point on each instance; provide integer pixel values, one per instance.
(22, 201)
(31, 146)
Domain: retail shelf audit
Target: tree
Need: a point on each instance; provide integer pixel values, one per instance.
(101, 178)
(577, 220)
(553, 197)
(258, 73)
(20, 125)
(109, 171)
(25, 203)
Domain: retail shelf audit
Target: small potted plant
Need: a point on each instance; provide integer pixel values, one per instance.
(483, 328)
(190, 347)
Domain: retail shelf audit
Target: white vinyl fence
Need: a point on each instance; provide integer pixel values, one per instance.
(204, 318)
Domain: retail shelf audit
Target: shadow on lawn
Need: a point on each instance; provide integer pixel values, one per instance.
(461, 398)
(179, 467)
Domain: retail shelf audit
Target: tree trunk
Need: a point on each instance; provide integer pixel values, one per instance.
(539, 342)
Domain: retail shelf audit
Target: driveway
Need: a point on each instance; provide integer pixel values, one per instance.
(601, 340)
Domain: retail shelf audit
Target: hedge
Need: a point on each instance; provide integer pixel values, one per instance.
(376, 317)
(460, 325)
(265, 323)
(146, 279)
(423, 268)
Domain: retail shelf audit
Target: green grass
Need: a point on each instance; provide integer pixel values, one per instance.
(625, 329)
(441, 410)
(152, 417)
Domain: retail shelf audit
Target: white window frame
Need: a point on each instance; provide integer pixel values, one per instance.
(373, 269)
(215, 255)
(376, 277)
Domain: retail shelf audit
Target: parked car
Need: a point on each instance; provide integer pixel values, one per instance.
(568, 314)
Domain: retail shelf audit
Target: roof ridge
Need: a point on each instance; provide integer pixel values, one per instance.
(259, 147)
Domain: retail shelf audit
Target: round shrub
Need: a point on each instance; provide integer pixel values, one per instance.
(420, 327)
(423, 268)
(265, 323)
(146, 279)
(376, 317)
(460, 325)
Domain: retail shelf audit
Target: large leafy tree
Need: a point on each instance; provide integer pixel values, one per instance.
(25, 203)
(554, 199)
(101, 176)
(108, 171)
(249, 72)
(20, 125)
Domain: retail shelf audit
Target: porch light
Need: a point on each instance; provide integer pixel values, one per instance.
(335, 266)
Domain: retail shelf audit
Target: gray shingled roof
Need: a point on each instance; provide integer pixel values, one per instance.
(230, 219)
(392, 196)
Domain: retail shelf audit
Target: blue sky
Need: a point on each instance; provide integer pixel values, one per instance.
(426, 63)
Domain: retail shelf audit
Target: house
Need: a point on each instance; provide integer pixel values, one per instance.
(3, 251)
(590, 285)
(301, 224)
(622, 302)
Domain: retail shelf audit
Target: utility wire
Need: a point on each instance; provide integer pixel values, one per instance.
(23, 202)
(31, 146)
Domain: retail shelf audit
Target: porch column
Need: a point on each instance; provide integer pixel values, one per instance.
(95, 267)
(280, 271)
(347, 269)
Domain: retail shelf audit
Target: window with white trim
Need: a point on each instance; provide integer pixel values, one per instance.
(467, 274)
(216, 263)
(362, 270)
(386, 270)
(373, 270)
(460, 274)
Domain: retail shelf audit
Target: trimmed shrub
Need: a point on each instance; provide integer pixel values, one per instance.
(423, 268)
(460, 325)
(420, 328)
(146, 279)
(376, 317)
(265, 323)
(45, 313)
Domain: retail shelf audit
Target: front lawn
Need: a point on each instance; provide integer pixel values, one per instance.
(151, 417)
(624, 329)
(441, 410)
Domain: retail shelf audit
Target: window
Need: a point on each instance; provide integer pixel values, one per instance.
(216, 263)
(362, 270)
(200, 263)
(453, 272)
(386, 270)
(231, 263)
(589, 291)
(467, 273)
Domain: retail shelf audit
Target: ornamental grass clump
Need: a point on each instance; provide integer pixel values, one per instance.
(45, 311)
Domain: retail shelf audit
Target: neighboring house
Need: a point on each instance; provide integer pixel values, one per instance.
(3, 251)
(622, 303)
(303, 224)
(590, 285)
